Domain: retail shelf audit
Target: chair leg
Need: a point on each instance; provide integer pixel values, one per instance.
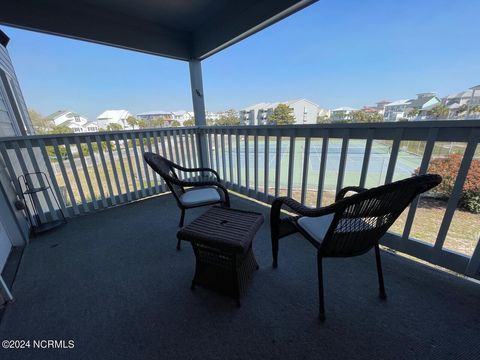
(321, 300)
(381, 286)
(275, 250)
(182, 218)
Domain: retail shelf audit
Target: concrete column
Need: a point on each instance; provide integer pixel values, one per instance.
(198, 101)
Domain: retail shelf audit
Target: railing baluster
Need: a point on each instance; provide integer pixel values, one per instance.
(35, 198)
(130, 166)
(427, 154)
(76, 211)
(208, 136)
(278, 163)
(217, 156)
(224, 160)
(247, 164)
(306, 164)
(230, 158)
(148, 139)
(393, 156)
(145, 165)
(267, 166)
(162, 183)
(343, 160)
(53, 178)
(73, 166)
(255, 163)
(457, 189)
(122, 167)
(366, 158)
(182, 148)
(137, 163)
(86, 173)
(95, 169)
(291, 165)
(113, 199)
(114, 168)
(177, 153)
(187, 147)
(36, 167)
(323, 165)
(239, 170)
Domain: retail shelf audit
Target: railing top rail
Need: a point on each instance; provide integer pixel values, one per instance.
(441, 124)
(379, 125)
(98, 133)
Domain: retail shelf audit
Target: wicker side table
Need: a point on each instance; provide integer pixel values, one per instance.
(222, 242)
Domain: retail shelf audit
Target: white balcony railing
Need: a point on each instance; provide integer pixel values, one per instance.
(91, 172)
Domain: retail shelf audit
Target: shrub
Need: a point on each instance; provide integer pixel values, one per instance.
(448, 168)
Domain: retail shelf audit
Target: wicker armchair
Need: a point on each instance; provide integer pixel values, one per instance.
(351, 226)
(202, 192)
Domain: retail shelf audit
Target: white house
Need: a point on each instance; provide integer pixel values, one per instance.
(342, 113)
(400, 109)
(304, 111)
(397, 110)
(463, 102)
(181, 116)
(69, 119)
(113, 117)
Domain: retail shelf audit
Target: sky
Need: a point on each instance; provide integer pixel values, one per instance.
(335, 53)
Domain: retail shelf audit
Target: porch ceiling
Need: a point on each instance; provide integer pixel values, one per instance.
(181, 29)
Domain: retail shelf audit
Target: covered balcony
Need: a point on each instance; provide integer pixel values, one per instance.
(112, 281)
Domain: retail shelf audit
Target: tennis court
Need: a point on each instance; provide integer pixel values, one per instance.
(379, 158)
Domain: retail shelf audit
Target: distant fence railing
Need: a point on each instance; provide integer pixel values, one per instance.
(95, 171)
(311, 163)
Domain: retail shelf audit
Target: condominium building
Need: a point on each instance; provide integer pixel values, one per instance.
(304, 111)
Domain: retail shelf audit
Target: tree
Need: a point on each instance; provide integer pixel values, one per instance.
(323, 119)
(475, 109)
(230, 118)
(114, 127)
(189, 122)
(158, 122)
(40, 124)
(132, 121)
(61, 129)
(413, 113)
(282, 115)
(439, 111)
(175, 123)
(142, 124)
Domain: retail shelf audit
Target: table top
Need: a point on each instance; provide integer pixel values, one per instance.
(230, 229)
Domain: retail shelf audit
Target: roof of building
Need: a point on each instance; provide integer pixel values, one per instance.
(114, 114)
(399, 102)
(151, 113)
(272, 105)
(345, 108)
(464, 94)
(422, 100)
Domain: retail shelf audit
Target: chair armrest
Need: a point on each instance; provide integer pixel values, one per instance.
(341, 194)
(299, 208)
(181, 168)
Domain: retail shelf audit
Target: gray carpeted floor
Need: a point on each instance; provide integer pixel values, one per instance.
(114, 283)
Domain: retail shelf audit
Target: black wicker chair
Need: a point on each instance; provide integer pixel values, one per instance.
(202, 192)
(352, 225)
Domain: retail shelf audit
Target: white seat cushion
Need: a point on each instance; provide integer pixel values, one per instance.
(316, 227)
(200, 196)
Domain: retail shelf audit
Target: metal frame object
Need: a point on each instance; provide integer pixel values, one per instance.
(35, 217)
